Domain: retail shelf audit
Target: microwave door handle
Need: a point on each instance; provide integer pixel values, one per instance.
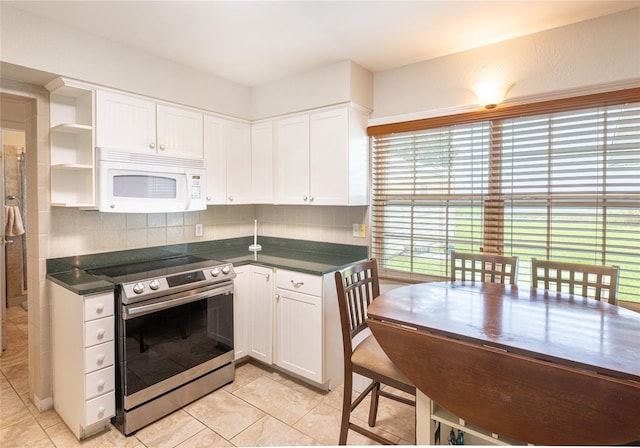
(188, 190)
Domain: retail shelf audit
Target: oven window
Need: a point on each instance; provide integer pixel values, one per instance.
(166, 343)
(144, 187)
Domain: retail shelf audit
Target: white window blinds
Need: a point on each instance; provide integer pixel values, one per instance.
(562, 185)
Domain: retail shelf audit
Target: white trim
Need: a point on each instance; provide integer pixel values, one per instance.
(546, 96)
(43, 404)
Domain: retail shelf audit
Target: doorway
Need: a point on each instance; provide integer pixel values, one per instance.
(14, 156)
(13, 218)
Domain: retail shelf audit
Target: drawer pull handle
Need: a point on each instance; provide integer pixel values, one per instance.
(100, 359)
(297, 284)
(100, 384)
(101, 411)
(100, 333)
(100, 308)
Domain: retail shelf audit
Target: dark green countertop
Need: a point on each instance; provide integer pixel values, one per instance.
(316, 258)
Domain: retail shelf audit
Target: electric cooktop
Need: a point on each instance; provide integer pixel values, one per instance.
(130, 272)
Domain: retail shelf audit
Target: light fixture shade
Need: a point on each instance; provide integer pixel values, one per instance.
(491, 92)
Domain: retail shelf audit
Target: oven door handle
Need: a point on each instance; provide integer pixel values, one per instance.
(171, 301)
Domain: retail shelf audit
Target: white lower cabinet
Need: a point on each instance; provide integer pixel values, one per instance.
(253, 313)
(82, 329)
(299, 333)
(289, 319)
(308, 339)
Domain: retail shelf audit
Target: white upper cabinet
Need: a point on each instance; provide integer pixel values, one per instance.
(137, 124)
(238, 140)
(322, 158)
(262, 163)
(125, 122)
(215, 155)
(339, 157)
(179, 131)
(328, 164)
(227, 150)
(292, 160)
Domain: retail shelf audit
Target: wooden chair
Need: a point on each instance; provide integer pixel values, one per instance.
(597, 282)
(357, 286)
(483, 268)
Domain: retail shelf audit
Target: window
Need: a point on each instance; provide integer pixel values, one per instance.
(557, 180)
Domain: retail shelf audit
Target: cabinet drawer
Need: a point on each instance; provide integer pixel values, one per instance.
(98, 306)
(98, 331)
(100, 408)
(299, 282)
(98, 357)
(98, 383)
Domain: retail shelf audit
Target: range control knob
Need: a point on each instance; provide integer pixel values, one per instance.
(138, 288)
(226, 269)
(154, 284)
(215, 272)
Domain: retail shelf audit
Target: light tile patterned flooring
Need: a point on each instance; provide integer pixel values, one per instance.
(262, 407)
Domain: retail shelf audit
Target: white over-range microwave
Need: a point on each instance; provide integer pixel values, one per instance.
(130, 182)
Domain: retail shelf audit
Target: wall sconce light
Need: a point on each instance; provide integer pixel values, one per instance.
(491, 92)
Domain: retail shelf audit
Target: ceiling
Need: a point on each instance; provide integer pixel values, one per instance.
(255, 42)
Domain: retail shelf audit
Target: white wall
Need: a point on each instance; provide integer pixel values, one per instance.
(590, 55)
(54, 48)
(336, 83)
(31, 41)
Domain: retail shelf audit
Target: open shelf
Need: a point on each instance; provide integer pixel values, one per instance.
(71, 166)
(474, 435)
(71, 128)
(73, 204)
(72, 144)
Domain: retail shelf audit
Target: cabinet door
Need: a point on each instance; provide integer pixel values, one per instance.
(299, 333)
(216, 157)
(262, 163)
(124, 122)
(179, 132)
(329, 158)
(261, 312)
(238, 146)
(292, 160)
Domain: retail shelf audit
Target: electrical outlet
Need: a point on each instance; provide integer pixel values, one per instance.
(362, 231)
(356, 230)
(198, 229)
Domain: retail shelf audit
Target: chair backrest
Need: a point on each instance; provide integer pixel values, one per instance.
(356, 286)
(483, 268)
(596, 282)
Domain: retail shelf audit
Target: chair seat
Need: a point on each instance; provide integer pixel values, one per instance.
(369, 355)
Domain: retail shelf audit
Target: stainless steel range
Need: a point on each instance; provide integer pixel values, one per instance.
(174, 335)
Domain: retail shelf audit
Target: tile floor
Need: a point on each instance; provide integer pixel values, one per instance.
(262, 407)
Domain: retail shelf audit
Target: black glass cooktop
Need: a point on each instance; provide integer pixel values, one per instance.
(152, 269)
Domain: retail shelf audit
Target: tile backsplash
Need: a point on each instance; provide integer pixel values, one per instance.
(77, 232)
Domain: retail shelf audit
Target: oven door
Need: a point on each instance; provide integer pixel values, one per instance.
(167, 342)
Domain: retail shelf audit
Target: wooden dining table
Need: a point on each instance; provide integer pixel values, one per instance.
(532, 365)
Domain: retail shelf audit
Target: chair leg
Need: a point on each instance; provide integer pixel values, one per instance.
(373, 410)
(346, 409)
